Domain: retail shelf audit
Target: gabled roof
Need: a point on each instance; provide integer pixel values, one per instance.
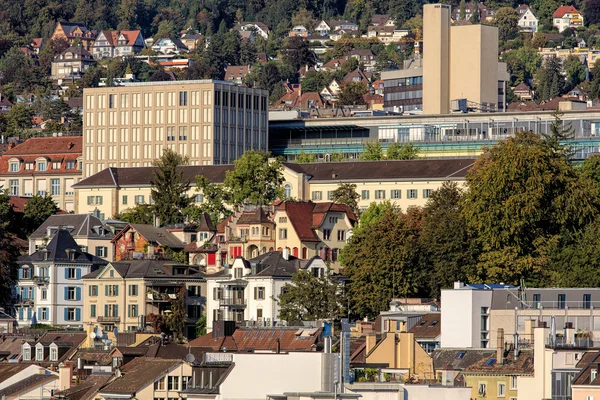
(428, 327)
(59, 249)
(78, 225)
(154, 235)
(7, 370)
(69, 27)
(236, 71)
(28, 383)
(523, 365)
(258, 216)
(139, 373)
(79, 53)
(458, 359)
(44, 146)
(87, 389)
(562, 10)
(522, 87)
(147, 269)
(273, 264)
(358, 73)
(300, 216)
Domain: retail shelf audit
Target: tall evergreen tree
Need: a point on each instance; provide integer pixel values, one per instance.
(169, 188)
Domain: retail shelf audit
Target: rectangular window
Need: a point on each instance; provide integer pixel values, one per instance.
(173, 383)
(133, 290)
(513, 383)
(14, 187)
(159, 384)
(70, 293)
(379, 194)
(411, 193)
(395, 194)
(133, 310)
(14, 167)
(341, 235)
(326, 234)
(93, 290)
(561, 301)
(259, 293)
(125, 199)
(317, 195)
(71, 273)
(44, 314)
(482, 390)
(329, 194)
(71, 314)
(93, 311)
(41, 166)
(427, 193)
(364, 194)
(139, 199)
(101, 251)
(44, 294)
(183, 98)
(111, 290)
(501, 389)
(587, 301)
(55, 187)
(282, 233)
(94, 200)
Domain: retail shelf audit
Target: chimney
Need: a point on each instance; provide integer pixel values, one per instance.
(371, 342)
(458, 285)
(286, 254)
(278, 349)
(65, 375)
(500, 346)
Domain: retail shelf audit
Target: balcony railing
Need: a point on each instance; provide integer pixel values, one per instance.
(41, 280)
(25, 302)
(238, 239)
(155, 296)
(561, 305)
(232, 301)
(109, 319)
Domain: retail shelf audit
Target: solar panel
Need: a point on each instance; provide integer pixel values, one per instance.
(490, 362)
(460, 355)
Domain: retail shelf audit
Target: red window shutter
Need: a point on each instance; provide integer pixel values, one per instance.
(295, 252)
(212, 259)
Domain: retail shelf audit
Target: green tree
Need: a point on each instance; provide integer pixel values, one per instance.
(255, 179)
(575, 71)
(176, 319)
(305, 158)
(444, 240)
(559, 134)
(539, 40)
(462, 15)
(201, 326)
(213, 199)
(18, 119)
(140, 214)
(522, 64)
(7, 212)
(314, 81)
(548, 79)
(375, 212)
(169, 188)
(406, 151)
(521, 194)
(372, 152)
(590, 169)
(352, 93)
(37, 210)
(475, 17)
(296, 52)
(507, 21)
(346, 194)
(382, 262)
(166, 29)
(310, 298)
(8, 267)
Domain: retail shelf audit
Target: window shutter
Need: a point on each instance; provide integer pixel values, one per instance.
(129, 310)
(20, 273)
(106, 310)
(66, 293)
(77, 314)
(39, 313)
(78, 273)
(90, 290)
(106, 290)
(93, 311)
(214, 293)
(116, 290)
(78, 293)
(255, 293)
(28, 312)
(32, 293)
(66, 314)
(116, 310)
(66, 273)
(21, 313)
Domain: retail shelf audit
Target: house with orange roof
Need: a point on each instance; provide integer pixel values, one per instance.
(566, 17)
(110, 44)
(37, 44)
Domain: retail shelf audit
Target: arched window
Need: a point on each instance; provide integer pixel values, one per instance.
(288, 190)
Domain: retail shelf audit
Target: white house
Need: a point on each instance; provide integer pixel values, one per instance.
(567, 17)
(528, 22)
(257, 27)
(49, 289)
(169, 46)
(110, 44)
(245, 291)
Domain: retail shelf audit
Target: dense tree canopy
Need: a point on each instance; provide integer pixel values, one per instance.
(169, 188)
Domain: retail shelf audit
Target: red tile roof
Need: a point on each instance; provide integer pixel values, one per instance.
(373, 98)
(245, 339)
(237, 71)
(216, 344)
(562, 10)
(305, 217)
(54, 149)
(36, 43)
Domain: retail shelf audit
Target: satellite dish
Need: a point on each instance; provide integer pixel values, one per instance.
(190, 358)
(93, 335)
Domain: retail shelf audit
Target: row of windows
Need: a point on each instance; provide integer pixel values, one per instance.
(138, 199)
(41, 166)
(181, 98)
(341, 235)
(237, 100)
(14, 187)
(407, 95)
(413, 80)
(378, 194)
(171, 383)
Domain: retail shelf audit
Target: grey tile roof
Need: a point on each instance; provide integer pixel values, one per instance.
(79, 225)
(160, 236)
(458, 359)
(139, 373)
(27, 383)
(58, 250)
(147, 269)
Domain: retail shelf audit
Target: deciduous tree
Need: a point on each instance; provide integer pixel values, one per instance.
(140, 214)
(37, 210)
(406, 151)
(507, 21)
(346, 194)
(372, 152)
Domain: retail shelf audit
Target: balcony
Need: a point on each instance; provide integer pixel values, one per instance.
(153, 296)
(24, 303)
(112, 320)
(232, 302)
(238, 239)
(41, 280)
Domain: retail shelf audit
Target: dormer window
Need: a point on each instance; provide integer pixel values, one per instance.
(39, 352)
(42, 166)
(239, 273)
(56, 165)
(26, 352)
(53, 352)
(14, 166)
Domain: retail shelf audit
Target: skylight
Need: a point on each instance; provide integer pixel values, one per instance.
(490, 362)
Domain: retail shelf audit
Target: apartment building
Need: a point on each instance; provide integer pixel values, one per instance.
(128, 295)
(45, 165)
(404, 183)
(246, 292)
(49, 289)
(460, 62)
(211, 122)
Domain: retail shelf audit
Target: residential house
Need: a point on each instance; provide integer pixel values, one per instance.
(53, 348)
(364, 56)
(249, 233)
(49, 289)
(74, 32)
(91, 234)
(373, 101)
(308, 229)
(138, 241)
(110, 44)
(358, 76)
(37, 44)
(485, 13)
(387, 33)
(246, 291)
(202, 248)
(381, 20)
(43, 165)
(428, 332)
(399, 353)
(129, 295)
(326, 27)
(523, 92)
(71, 63)
(5, 104)
(498, 376)
(586, 384)
(527, 20)
(86, 389)
(7, 323)
(169, 46)
(378, 86)
(299, 31)
(340, 33)
(297, 99)
(305, 69)
(566, 17)
(255, 27)
(333, 65)
(26, 381)
(237, 73)
(191, 40)
(330, 92)
(147, 378)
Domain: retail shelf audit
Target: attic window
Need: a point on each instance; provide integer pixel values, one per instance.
(422, 322)
(490, 362)
(433, 323)
(460, 355)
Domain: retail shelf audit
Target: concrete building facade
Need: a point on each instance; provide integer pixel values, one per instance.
(211, 122)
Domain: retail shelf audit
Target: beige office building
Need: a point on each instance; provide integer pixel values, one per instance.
(211, 122)
(459, 71)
